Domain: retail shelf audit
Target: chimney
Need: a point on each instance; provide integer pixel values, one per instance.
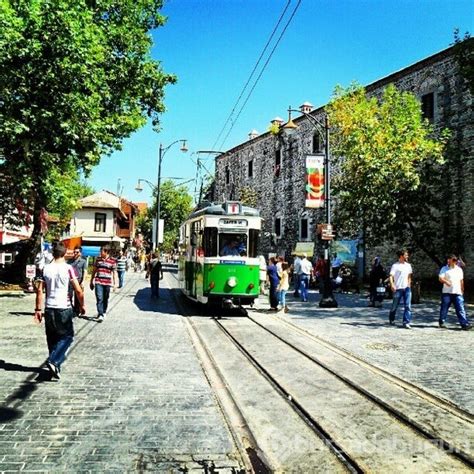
(253, 134)
(306, 108)
(278, 121)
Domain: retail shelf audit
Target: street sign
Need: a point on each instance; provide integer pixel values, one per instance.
(30, 271)
(327, 232)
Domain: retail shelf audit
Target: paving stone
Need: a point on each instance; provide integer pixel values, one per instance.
(131, 387)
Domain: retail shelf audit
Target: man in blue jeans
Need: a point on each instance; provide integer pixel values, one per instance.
(452, 278)
(400, 282)
(58, 311)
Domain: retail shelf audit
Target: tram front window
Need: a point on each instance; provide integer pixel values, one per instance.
(232, 245)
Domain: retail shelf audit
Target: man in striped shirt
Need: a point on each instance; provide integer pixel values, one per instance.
(104, 276)
(121, 268)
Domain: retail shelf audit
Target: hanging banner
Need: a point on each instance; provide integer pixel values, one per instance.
(314, 189)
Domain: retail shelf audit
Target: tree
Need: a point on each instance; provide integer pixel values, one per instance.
(464, 50)
(175, 206)
(76, 79)
(387, 168)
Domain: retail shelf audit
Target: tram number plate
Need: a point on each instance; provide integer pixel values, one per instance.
(232, 262)
(233, 222)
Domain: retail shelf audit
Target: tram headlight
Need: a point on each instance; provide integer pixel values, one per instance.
(232, 282)
(212, 285)
(251, 286)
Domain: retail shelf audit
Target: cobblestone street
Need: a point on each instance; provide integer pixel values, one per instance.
(133, 395)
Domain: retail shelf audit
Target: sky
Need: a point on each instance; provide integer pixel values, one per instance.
(213, 46)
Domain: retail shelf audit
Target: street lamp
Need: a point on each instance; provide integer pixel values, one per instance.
(161, 154)
(327, 299)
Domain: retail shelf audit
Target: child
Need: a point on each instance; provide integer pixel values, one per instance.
(283, 286)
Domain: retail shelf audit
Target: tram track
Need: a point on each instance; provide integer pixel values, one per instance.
(449, 455)
(445, 439)
(290, 390)
(415, 389)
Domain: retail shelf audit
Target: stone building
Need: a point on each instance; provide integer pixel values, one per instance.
(270, 169)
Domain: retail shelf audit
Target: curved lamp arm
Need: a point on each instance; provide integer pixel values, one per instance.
(290, 126)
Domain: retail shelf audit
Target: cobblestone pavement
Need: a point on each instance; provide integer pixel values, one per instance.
(132, 395)
(439, 360)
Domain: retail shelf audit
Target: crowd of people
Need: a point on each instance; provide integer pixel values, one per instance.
(396, 283)
(60, 288)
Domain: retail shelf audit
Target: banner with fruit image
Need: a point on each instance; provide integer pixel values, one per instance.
(314, 189)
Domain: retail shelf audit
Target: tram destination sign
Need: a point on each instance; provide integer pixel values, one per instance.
(233, 222)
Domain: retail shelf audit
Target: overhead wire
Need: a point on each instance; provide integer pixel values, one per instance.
(261, 72)
(229, 118)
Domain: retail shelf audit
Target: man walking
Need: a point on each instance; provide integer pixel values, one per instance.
(121, 268)
(104, 276)
(305, 275)
(452, 278)
(155, 272)
(297, 276)
(80, 267)
(58, 311)
(400, 282)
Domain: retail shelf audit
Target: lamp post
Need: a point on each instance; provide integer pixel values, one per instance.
(154, 187)
(327, 299)
(161, 154)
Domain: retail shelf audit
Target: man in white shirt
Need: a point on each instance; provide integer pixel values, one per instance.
(452, 278)
(305, 275)
(400, 282)
(58, 312)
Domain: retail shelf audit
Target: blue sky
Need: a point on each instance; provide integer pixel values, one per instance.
(213, 46)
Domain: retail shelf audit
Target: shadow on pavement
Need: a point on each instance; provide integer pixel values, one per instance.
(9, 414)
(164, 304)
(17, 367)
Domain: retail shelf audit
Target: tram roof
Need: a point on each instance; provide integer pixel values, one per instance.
(220, 210)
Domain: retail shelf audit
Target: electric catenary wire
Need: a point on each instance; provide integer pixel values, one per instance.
(229, 118)
(261, 73)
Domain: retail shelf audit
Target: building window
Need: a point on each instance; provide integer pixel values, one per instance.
(316, 145)
(250, 169)
(278, 227)
(277, 163)
(304, 229)
(427, 106)
(227, 175)
(99, 224)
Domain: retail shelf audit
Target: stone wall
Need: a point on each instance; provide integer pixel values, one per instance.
(281, 195)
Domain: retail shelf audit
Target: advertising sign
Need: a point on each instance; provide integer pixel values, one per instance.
(30, 271)
(314, 189)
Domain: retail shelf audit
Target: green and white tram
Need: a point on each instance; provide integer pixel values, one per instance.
(219, 264)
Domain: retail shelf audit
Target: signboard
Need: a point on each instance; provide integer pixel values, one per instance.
(232, 208)
(233, 222)
(30, 271)
(327, 232)
(314, 188)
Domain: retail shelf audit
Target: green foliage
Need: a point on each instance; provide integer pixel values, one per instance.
(76, 78)
(464, 50)
(175, 206)
(248, 196)
(384, 154)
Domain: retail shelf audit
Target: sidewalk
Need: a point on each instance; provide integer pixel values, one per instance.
(439, 360)
(132, 395)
